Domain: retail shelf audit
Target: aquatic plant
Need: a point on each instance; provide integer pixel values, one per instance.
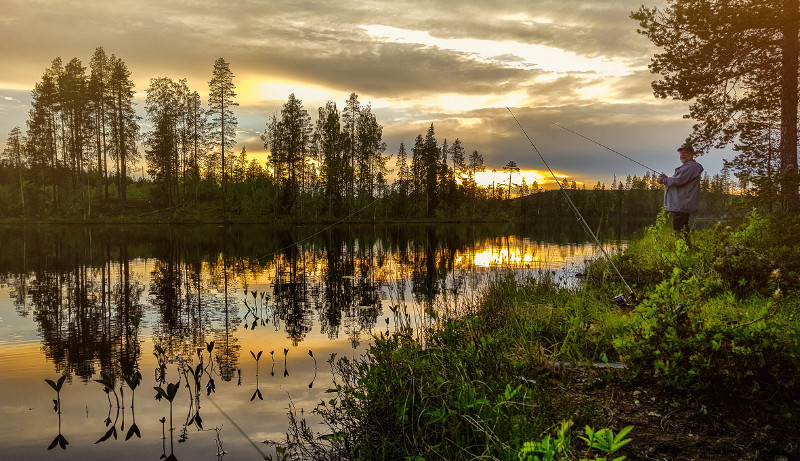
(257, 392)
(169, 393)
(109, 382)
(59, 440)
(132, 380)
(57, 385)
(311, 354)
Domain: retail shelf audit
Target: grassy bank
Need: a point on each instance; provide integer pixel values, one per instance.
(703, 367)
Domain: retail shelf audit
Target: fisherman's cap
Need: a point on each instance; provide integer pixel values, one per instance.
(687, 148)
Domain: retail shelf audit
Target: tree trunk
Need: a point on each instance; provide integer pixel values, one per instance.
(789, 67)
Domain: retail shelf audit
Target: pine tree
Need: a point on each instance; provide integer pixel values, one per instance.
(457, 155)
(475, 166)
(758, 162)
(124, 123)
(13, 153)
(161, 154)
(723, 56)
(511, 167)
(74, 100)
(43, 130)
(418, 177)
(431, 170)
(350, 116)
(403, 177)
(288, 140)
(197, 132)
(330, 143)
(370, 159)
(99, 91)
(221, 92)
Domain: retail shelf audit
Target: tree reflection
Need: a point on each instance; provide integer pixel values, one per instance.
(84, 311)
(94, 292)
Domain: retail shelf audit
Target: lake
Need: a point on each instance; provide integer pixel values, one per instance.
(237, 321)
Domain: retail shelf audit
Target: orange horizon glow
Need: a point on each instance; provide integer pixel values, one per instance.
(490, 178)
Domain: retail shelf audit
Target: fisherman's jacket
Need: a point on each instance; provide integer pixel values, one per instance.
(683, 188)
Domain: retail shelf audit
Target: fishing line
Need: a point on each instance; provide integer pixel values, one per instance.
(603, 145)
(263, 455)
(575, 210)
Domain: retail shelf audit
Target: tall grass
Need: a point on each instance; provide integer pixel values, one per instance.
(485, 378)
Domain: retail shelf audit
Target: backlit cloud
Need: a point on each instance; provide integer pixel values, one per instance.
(454, 63)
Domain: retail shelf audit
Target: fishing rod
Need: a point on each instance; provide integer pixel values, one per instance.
(604, 146)
(577, 212)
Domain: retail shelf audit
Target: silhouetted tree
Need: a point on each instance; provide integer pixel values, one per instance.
(162, 154)
(288, 140)
(12, 155)
(221, 92)
(124, 123)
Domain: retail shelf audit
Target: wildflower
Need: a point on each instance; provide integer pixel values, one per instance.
(778, 294)
(776, 274)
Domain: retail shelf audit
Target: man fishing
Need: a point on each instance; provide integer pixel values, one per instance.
(683, 189)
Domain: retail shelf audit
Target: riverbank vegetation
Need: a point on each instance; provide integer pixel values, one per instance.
(704, 364)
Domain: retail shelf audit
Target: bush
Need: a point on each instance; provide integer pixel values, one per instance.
(453, 398)
(671, 339)
(648, 260)
(745, 274)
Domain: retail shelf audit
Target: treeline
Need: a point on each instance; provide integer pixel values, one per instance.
(84, 143)
(81, 136)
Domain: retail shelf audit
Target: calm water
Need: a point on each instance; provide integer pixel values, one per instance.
(87, 302)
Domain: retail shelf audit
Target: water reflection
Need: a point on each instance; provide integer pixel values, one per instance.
(59, 440)
(118, 305)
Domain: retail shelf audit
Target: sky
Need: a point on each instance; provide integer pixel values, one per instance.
(459, 64)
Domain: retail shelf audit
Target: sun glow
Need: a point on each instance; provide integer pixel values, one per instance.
(272, 89)
(523, 253)
(500, 178)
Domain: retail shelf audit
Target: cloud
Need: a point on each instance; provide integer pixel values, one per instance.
(453, 63)
(14, 105)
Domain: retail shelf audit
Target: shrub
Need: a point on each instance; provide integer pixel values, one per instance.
(452, 398)
(670, 338)
(648, 260)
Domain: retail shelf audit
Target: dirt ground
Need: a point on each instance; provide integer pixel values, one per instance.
(670, 426)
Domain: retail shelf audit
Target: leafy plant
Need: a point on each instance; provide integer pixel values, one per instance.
(670, 338)
(59, 440)
(109, 382)
(605, 440)
(549, 448)
(56, 385)
(168, 393)
(133, 380)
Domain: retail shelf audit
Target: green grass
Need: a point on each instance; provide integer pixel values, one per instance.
(488, 381)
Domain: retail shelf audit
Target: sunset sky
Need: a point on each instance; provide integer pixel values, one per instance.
(456, 64)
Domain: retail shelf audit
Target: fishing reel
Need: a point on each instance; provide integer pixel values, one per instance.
(622, 301)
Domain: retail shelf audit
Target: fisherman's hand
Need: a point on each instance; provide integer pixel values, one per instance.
(662, 178)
